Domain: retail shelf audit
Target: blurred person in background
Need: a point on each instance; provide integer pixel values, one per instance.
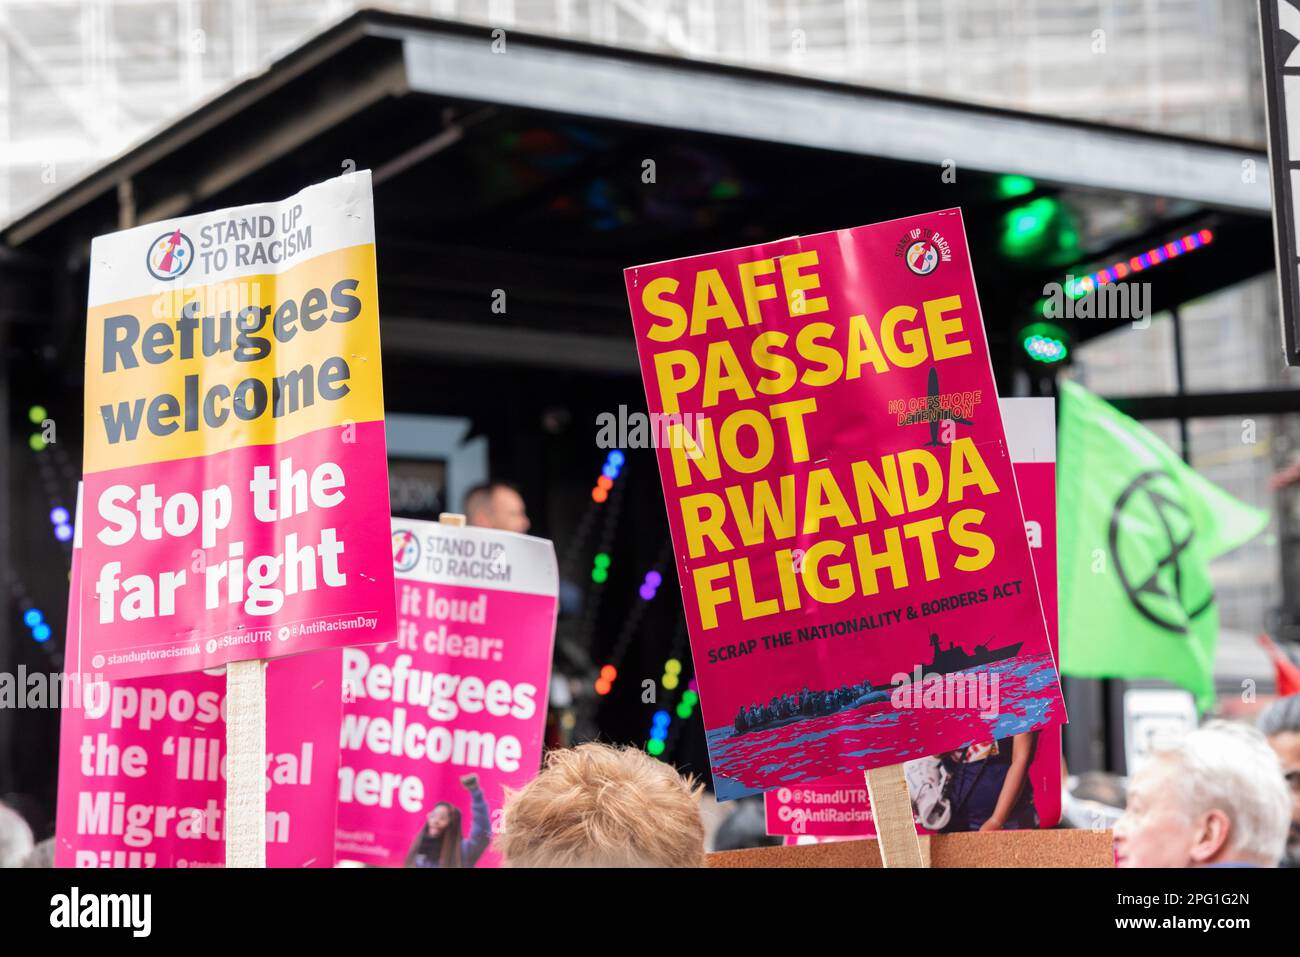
(15, 838)
(496, 505)
(1280, 724)
(602, 806)
(1216, 798)
(441, 842)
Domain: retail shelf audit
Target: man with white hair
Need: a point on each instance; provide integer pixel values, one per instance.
(1217, 798)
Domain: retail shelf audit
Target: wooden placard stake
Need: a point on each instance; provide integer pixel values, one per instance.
(246, 763)
(891, 807)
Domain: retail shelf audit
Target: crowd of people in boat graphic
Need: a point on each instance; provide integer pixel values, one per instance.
(787, 708)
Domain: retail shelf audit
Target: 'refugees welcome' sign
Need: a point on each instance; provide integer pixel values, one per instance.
(236, 501)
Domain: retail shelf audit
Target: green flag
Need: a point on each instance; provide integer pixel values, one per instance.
(1137, 530)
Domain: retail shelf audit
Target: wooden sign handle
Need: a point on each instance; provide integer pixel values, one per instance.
(246, 763)
(452, 518)
(891, 807)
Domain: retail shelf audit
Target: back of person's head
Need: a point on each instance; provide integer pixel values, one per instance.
(600, 806)
(15, 838)
(1228, 766)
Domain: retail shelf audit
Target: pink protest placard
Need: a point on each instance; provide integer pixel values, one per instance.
(142, 764)
(949, 792)
(236, 494)
(841, 500)
(439, 722)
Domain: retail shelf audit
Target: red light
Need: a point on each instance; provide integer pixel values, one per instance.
(605, 482)
(1120, 270)
(598, 494)
(1206, 236)
(1135, 264)
(602, 686)
(608, 673)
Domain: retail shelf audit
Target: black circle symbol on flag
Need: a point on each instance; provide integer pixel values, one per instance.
(1151, 532)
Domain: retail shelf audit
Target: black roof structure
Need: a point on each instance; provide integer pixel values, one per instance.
(520, 163)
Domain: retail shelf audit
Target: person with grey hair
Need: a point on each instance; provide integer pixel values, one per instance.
(15, 838)
(1280, 724)
(1215, 798)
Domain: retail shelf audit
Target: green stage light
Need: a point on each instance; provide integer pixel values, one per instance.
(1011, 186)
(1025, 228)
(655, 747)
(1046, 343)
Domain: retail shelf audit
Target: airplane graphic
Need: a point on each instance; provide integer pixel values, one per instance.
(932, 391)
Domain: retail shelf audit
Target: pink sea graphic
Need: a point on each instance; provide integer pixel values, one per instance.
(878, 734)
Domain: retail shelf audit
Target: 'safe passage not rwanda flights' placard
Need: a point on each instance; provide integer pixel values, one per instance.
(236, 490)
(841, 500)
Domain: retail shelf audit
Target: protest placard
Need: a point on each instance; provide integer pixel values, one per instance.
(142, 764)
(236, 499)
(438, 722)
(840, 807)
(841, 500)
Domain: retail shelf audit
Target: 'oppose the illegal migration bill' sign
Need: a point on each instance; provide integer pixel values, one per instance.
(841, 500)
(236, 501)
(141, 763)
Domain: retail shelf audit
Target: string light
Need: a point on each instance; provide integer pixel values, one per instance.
(60, 520)
(600, 568)
(658, 733)
(1154, 256)
(608, 475)
(686, 707)
(35, 621)
(672, 673)
(606, 680)
(653, 579)
(37, 415)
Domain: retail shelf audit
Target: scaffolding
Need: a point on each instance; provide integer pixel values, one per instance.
(80, 80)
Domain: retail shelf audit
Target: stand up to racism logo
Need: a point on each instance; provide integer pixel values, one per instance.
(170, 255)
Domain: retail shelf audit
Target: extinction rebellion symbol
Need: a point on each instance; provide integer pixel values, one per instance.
(1150, 531)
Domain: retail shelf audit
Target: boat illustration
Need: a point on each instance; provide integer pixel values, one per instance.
(954, 658)
(791, 708)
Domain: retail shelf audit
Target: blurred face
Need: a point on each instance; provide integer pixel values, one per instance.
(1287, 747)
(508, 513)
(1155, 831)
(437, 821)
